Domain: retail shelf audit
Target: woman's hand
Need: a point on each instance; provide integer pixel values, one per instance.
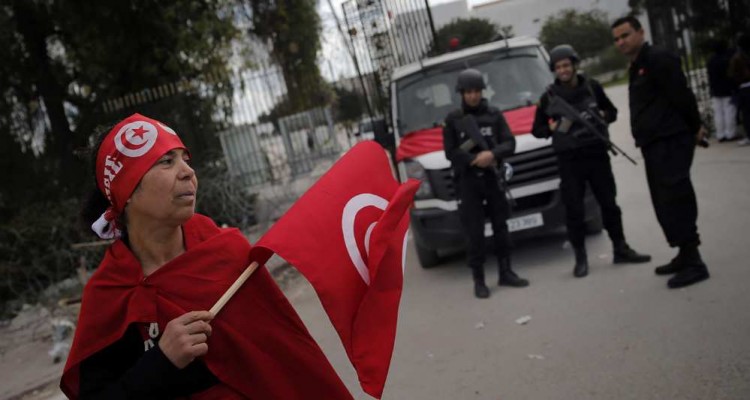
(185, 337)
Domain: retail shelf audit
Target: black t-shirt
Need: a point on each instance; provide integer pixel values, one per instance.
(134, 367)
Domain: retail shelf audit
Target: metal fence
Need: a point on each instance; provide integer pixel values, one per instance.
(669, 29)
(268, 151)
(383, 35)
(276, 152)
(672, 28)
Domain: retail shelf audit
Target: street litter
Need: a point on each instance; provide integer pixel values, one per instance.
(523, 320)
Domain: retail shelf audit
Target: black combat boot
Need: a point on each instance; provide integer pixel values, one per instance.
(481, 291)
(694, 269)
(507, 276)
(581, 268)
(625, 254)
(676, 265)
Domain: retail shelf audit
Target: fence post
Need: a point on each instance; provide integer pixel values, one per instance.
(331, 129)
(285, 135)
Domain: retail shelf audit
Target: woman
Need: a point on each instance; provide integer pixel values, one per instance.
(143, 331)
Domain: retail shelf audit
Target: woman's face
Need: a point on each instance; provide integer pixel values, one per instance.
(167, 191)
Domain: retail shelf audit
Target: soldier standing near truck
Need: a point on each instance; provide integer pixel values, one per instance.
(476, 138)
(666, 126)
(582, 154)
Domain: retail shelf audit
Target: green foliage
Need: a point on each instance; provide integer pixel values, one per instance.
(609, 59)
(588, 32)
(292, 27)
(707, 19)
(35, 250)
(469, 32)
(349, 105)
(221, 198)
(63, 59)
(636, 6)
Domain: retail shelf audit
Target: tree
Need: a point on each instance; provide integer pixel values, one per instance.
(63, 59)
(349, 105)
(588, 32)
(467, 32)
(708, 19)
(292, 27)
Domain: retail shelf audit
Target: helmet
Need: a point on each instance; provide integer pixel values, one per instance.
(470, 79)
(562, 52)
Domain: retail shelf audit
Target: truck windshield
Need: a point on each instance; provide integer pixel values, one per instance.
(515, 78)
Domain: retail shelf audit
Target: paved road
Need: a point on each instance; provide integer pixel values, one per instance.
(617, 334)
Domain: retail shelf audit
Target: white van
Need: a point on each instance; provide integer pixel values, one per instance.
(516, 73)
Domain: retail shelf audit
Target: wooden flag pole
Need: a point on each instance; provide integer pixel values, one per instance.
(234, 288)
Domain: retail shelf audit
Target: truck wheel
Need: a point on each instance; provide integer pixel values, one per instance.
(427, 258)
(595, 225)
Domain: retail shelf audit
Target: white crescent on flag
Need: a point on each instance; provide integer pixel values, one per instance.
(136, 138)
(352, 208)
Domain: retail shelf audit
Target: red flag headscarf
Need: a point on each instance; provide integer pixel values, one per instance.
(125, 155)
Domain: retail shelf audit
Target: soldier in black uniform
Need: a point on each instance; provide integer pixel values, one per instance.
(666, 126)
(476, 139)
(582, 155)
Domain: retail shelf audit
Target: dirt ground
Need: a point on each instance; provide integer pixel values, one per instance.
(26, 367)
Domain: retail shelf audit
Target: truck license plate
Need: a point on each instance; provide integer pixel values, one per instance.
(519, 223)
(525, 222)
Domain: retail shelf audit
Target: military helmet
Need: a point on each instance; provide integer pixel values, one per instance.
(470, 79)
(562, 52)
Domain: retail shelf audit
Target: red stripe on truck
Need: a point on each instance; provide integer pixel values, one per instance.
(425, 141)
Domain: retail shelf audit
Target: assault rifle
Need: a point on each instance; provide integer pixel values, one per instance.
(560, 106)
(475, 136)
(505, 171)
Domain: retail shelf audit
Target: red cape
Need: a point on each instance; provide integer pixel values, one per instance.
(259, 346)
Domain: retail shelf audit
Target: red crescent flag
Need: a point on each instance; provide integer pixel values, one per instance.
(347, 236)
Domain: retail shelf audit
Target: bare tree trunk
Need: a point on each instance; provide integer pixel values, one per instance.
(35, 27)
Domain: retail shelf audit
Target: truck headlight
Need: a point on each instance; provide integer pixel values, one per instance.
(508, 172)
(416, 171)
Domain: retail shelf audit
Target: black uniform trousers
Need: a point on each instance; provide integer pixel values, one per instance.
(668, 162)
(743, 97)
(480, 196)
(583, 166)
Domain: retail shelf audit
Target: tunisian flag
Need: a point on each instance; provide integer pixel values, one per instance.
(347, 235)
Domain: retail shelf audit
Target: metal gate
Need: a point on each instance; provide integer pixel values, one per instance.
(673, 27)
(383, 35)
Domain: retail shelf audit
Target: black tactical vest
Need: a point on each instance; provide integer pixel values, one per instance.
(576, 136)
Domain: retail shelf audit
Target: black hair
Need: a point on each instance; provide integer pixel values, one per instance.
(628, 19)
(95, 203)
